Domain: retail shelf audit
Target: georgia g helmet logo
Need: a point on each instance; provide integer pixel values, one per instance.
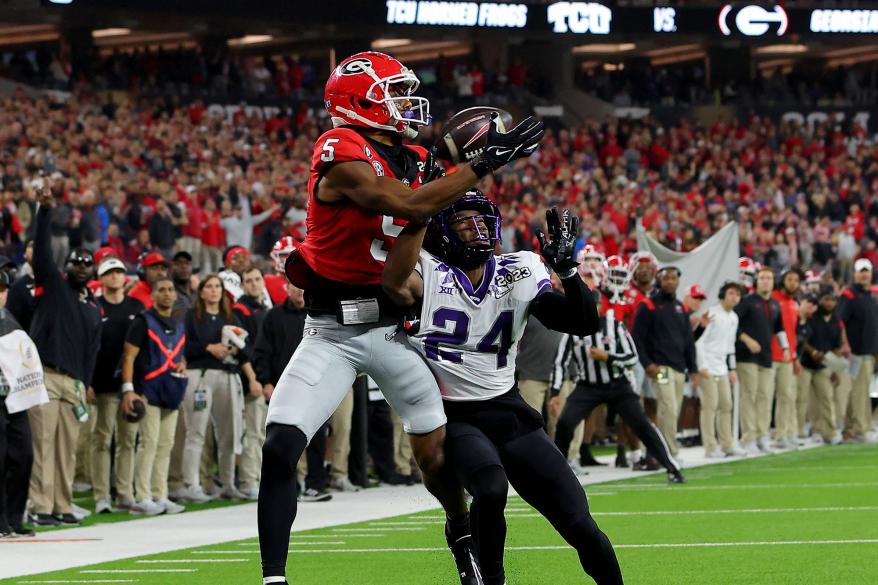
(355, 66)
(753, 20)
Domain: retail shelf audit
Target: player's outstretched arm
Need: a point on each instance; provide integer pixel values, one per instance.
(575, 311)
(357, 181)
(400, 280)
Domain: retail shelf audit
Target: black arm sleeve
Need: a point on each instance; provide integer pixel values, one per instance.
(45, 272)
(574, 312)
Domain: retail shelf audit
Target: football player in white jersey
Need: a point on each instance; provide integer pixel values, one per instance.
(470, 310)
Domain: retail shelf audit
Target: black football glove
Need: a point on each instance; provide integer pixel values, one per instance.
(504, 147)
(432, 168)
(558, 252)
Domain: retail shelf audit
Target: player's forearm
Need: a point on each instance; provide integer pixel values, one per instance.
(423, 203)
(128, 357)
(573, 312)
(399, 278)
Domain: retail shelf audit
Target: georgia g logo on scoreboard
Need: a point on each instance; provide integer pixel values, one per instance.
(753, 20)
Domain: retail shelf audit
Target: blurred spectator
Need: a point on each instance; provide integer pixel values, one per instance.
(759, 320)
(154, 373)
(66, 329)
(117, 312)
(858, 311)
(214, 390)
(824, 341)
(715, 351)
(666, 348)
(181, 274)
(150, 267)
(807, 309)
(250, 311)
(785, 368)
(16, 449)
(22, 299)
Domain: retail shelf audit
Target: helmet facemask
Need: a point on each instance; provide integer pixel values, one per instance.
(444, 242)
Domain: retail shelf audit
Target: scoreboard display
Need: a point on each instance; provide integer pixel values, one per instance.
(755, 20)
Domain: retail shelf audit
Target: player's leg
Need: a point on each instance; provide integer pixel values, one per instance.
(410, 388)
(475, 462)
(540, 474)
(629, 408)
(581, 402)
(313, 384)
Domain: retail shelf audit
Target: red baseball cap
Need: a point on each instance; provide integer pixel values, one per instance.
(102, 253)
(235, 251)
(696, 292)
(154, 259)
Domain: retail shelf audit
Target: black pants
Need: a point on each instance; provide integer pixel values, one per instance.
(494, 443)
(380, 439)
(620, 397)
(315, 455)
(16, 460)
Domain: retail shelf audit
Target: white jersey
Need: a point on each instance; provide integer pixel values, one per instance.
(470, 337)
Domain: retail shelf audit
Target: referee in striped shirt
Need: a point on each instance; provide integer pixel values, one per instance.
(605, 362)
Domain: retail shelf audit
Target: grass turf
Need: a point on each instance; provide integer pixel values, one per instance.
(792, 500)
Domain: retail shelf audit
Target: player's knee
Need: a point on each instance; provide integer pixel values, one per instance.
(284, 445)
(489, 487)
(431, 461)
(580, 530)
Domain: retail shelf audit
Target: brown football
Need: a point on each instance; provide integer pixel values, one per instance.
(465, 134)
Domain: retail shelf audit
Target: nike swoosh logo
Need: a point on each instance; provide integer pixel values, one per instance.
(503, 152)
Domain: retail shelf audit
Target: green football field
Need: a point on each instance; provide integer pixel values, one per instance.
(804, 517)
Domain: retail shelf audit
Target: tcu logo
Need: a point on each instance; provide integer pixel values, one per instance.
(753, 20)
(355, 66)
(580, 17)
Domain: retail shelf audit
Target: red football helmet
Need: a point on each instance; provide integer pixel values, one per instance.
(281, 249)
(618, 275)
(591, 263)
(747, 270)
(642, 258)
(374, 90)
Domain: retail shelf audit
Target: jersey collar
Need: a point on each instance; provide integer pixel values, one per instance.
(478, 295)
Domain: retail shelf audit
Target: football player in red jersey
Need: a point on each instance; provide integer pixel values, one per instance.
(365, 185)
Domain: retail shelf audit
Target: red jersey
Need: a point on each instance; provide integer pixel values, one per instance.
(633, 297)
(276, 286)
(345, 242)
(621, 310)
(143, 293)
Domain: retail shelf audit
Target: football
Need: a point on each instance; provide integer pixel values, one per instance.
(465, 134)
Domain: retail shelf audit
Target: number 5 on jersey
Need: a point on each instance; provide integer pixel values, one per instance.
(381, 247)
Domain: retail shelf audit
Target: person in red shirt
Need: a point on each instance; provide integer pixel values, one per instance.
(213, 237)
(150, 267)
(786, 370)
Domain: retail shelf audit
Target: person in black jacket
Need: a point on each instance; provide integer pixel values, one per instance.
(807, 308)
(214, 391)
(16, 449)
(66, 329)
(859, 312)
(22, 300)
(280, 335)
(666, 348)
(250, 310)
(759, 319)
(825, 341)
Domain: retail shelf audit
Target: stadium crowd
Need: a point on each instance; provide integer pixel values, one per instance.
(152, 221)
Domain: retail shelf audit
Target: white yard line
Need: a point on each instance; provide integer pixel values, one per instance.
(617, 546)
